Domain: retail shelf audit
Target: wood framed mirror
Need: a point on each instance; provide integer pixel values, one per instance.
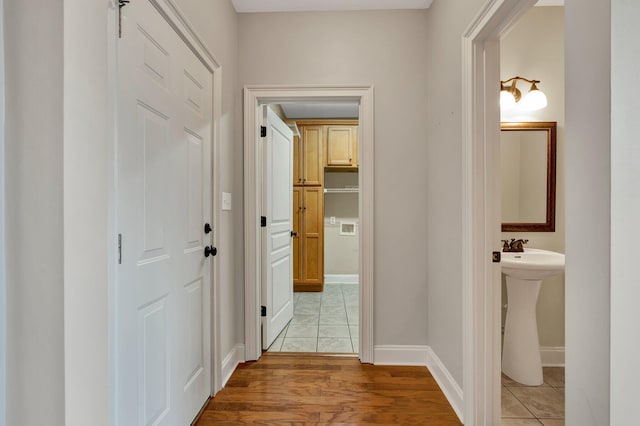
(528, 170)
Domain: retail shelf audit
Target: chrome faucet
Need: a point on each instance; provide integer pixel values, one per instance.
(514, 245)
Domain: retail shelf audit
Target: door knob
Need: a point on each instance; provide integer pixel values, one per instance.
(210, 251)
(207, 228)
(294, 234)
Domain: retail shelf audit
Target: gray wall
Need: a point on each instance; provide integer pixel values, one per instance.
(384, 49)
(340, 251)
(534, 48)
(52, 277)
(34, 212)
(625, 206)
(447, 21)
(588, 229)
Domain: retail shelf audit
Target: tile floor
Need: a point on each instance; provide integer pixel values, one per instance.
(324, 322)
(534, 405)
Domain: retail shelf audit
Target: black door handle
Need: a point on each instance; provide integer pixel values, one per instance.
(207, 228)
(294, 234)
(210, 251)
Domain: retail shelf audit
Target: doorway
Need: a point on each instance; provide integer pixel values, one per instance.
(255, 97)
(324, 234)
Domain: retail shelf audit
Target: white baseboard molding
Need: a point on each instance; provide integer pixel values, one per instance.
(341, 278)
(449, 387)
(400, 355)
(423, 356)
(231, 361)
(552, 356)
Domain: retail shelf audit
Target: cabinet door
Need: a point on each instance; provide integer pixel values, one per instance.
(313, 213)
(297, 161)
(298, 227)
(340, 145)
(354, 145)
(313, 172)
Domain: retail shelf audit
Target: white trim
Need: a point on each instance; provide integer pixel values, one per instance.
(231, 361)
(401, 355)
(552, 356)
(258, 95)
(447, 383)
(480, 131)
(341, 278)
(178, 21)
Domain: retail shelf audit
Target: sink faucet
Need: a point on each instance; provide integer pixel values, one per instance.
(514, 245)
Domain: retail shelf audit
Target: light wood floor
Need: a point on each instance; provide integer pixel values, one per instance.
(293, 389)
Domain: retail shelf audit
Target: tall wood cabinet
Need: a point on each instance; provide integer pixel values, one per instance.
(332, 144)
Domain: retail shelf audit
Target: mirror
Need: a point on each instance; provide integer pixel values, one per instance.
(528, 170)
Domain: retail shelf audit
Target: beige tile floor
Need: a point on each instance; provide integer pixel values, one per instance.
(534, 405)
(325, 322)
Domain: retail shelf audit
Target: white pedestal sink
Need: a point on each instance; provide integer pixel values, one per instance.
(521, 348)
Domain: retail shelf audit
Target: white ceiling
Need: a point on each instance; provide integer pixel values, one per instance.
(246, 6)
(320, 110)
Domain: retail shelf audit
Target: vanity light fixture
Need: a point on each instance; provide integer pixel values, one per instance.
(510, 95)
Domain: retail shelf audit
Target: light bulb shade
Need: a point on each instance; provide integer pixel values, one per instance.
(507, 100)
(535, 99)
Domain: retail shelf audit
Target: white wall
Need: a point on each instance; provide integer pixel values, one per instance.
(588, 232)
(625, 208)
(447, 21)
(383, 49)
(34, 212)
(534, 49)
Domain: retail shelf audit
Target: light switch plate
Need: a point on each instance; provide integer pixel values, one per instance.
(226, 201)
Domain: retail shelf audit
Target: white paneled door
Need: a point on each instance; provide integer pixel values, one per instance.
(162, 332)
(277, 281)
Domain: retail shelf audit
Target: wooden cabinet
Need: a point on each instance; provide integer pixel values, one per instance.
(308, 245)
(342, 146)
(307, 156)
(322, 143)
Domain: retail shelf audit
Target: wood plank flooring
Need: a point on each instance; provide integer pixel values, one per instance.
(315, 390)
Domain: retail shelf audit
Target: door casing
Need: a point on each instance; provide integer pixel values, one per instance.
(257, 95)
(480, 213)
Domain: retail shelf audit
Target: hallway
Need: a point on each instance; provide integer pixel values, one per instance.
(286, 389)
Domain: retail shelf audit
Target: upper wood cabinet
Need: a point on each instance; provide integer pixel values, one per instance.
(307, 156)
(342, 146)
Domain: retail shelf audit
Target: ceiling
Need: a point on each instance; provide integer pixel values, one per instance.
(320, 110)
(249, 6)
(246, 6)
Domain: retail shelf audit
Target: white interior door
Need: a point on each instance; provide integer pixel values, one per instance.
(277, 283)
(163, 372)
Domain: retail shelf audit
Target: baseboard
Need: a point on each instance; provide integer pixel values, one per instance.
(552, 356)
(231, 361)
(423, 356)
(400, 355)
(449, 387)
(341, 278)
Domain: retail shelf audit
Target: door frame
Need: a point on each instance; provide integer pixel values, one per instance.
(178, 21)
(480, 215)
(254, 96)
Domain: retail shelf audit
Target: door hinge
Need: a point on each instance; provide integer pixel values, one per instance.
(263, 221)
(263, 311)
(263, 132)
(119, 249)
(496, 256)
(121, 4)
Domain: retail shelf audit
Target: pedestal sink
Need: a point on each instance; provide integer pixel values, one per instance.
(521, 348)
